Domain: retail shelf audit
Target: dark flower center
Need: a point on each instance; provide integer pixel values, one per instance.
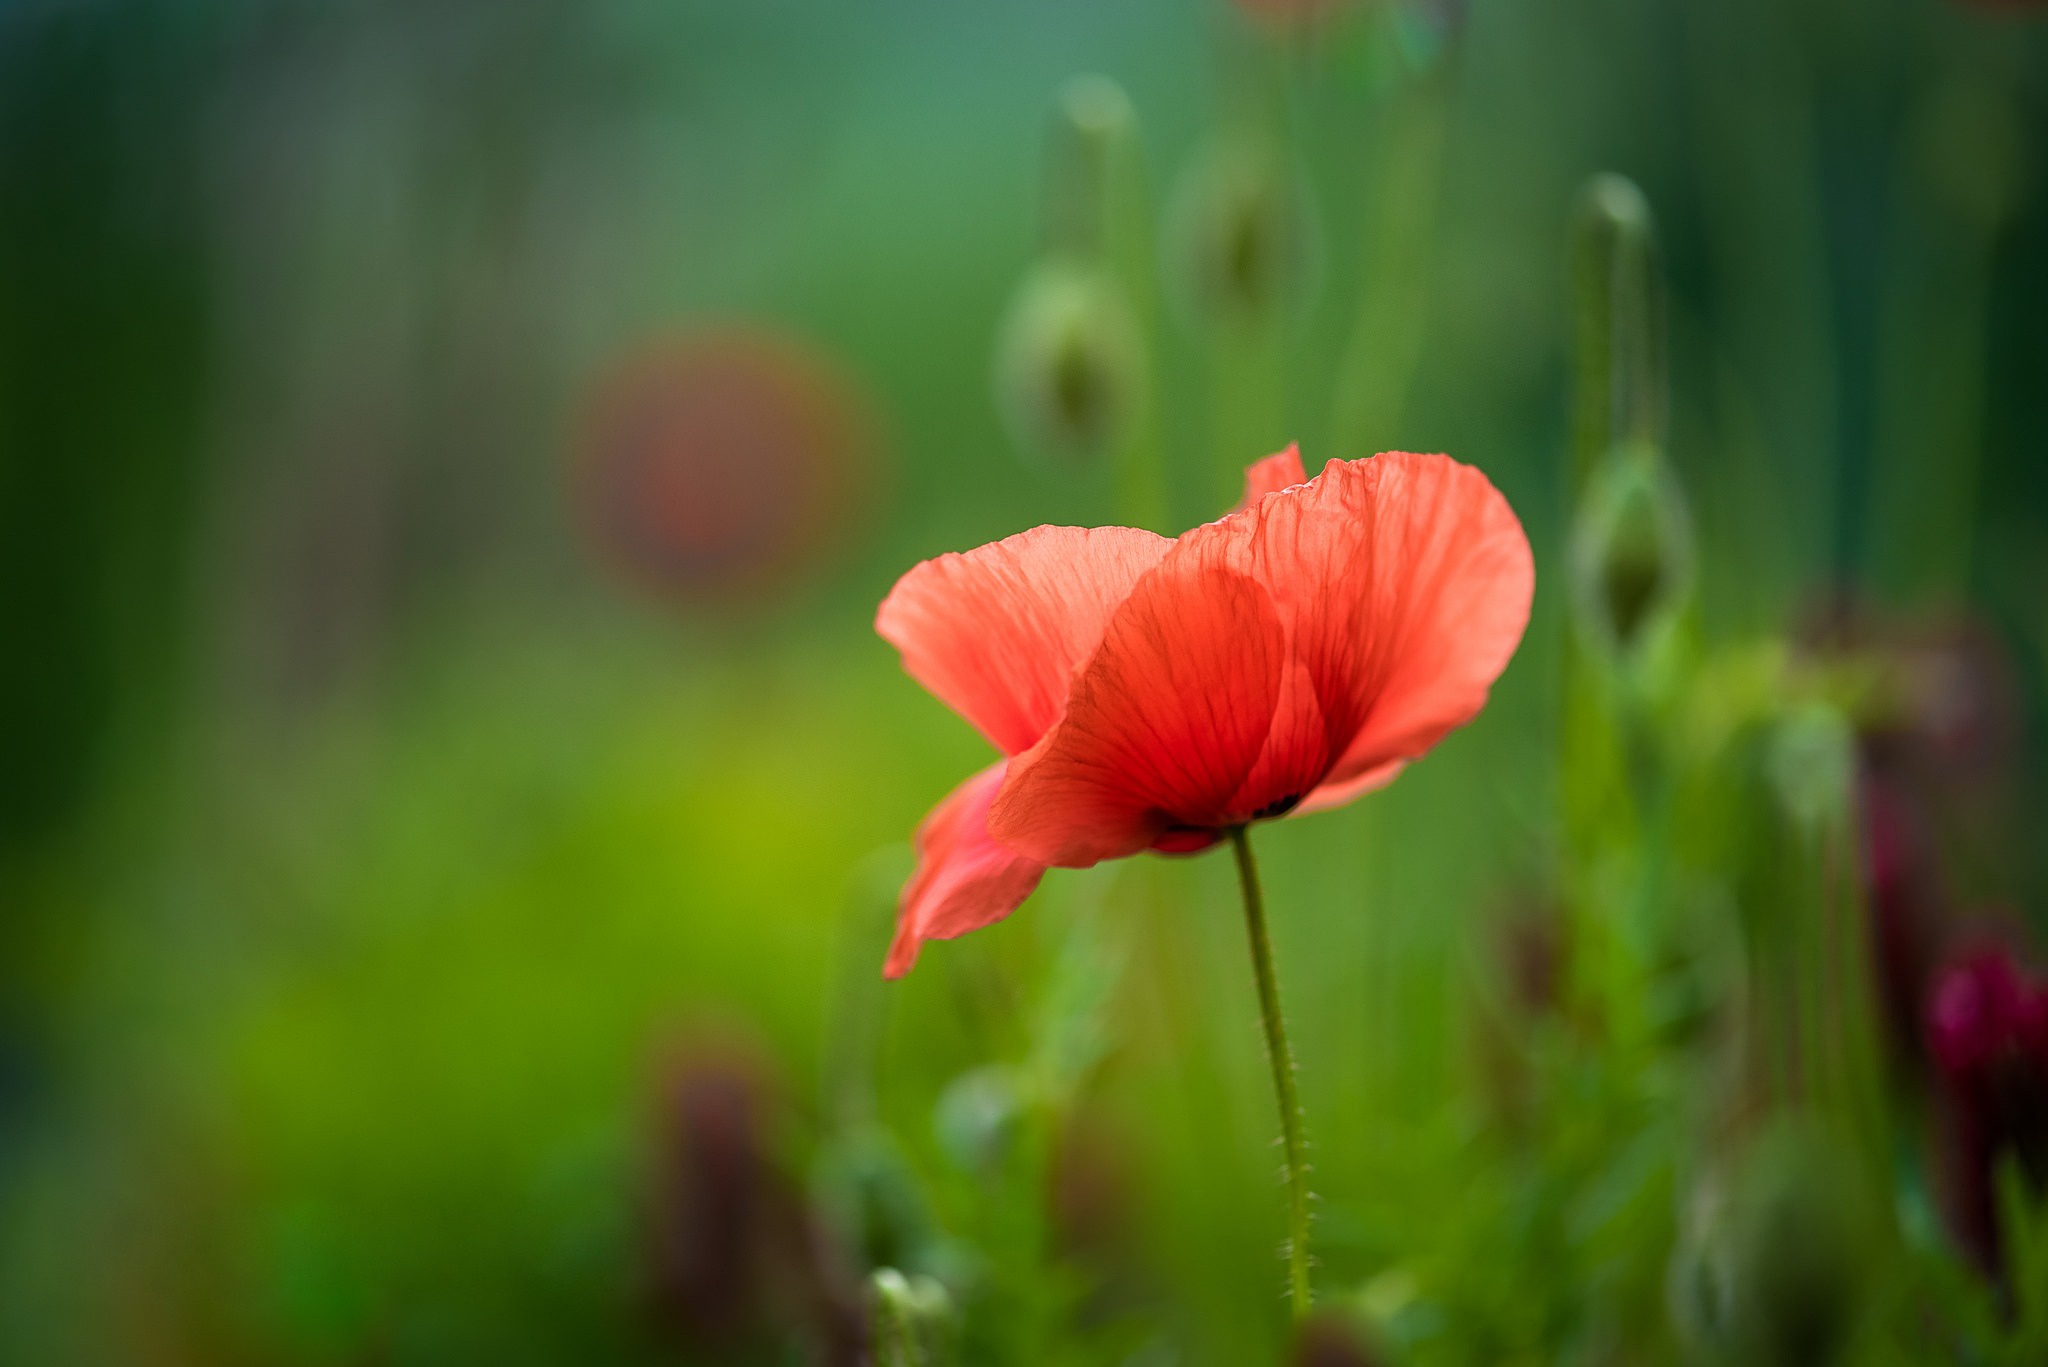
(1278, 807)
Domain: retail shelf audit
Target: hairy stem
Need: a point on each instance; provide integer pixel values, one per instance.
(1281, 1060)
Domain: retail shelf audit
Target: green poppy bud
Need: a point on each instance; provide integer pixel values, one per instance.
(1798, 1253)
(1773, 1274)
(1631, 551)
(1241, 235)
(912, 1320)
(1069, 363)
(1632, 546)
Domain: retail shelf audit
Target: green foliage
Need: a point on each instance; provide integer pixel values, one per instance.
(371, 857)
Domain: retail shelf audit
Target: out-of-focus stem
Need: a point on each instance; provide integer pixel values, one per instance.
(1612, 790)
(1395, 251)
(1281, 1059)
(1620, 390)
(1963, 160)
(1097, 212)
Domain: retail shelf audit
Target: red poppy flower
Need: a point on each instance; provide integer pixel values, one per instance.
(1149, 693)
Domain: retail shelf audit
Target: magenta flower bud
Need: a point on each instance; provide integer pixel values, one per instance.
(738, 1262)
(1902, 888)
(1974, 1015)
(1987, 1033)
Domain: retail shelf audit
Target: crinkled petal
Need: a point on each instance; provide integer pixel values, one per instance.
(1296, 754)
(1448, 601)
(1404, 584)
(1282, 470)
(997, 633)
(1166, 720)
(964, 879)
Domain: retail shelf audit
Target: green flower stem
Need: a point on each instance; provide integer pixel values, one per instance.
(1097, 213)
(1620, 389)
(1281, 1060)
(1398, 248)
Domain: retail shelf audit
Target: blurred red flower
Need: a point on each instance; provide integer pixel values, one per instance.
(1284, 12)
(1149, 693)
(719, 466)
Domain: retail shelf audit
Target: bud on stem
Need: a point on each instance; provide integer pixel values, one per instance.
(1070, 364)
(1776, 1268)
(1630, 564)
(1621, 384)
(1073, 356)
(1092, 169)
(1632, 546)
(913, 1320)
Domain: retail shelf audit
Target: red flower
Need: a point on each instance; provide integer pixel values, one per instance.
(718, 467)
(1149, 693)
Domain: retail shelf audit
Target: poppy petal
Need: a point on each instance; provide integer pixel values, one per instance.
(1166, 720)
(1455, 599)
(1335, 794)
(1296, 753)
(1405, 583)
(997, 633)
(964, 879)
(1281, 470)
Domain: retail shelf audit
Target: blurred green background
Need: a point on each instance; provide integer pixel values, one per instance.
(450, 454)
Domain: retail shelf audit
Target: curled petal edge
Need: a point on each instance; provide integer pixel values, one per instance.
(965, 879)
